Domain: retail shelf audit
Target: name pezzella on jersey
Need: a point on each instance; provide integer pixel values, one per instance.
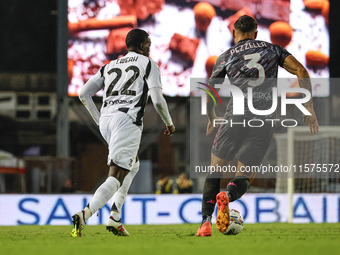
(247, 46)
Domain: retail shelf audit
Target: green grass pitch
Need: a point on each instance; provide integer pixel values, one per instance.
(172, 239)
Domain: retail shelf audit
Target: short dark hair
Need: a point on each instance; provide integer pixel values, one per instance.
(246, 24)
(135, 38)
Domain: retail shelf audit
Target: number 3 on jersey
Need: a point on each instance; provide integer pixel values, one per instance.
(126, 85)
(253, 64)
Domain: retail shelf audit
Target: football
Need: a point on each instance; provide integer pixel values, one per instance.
(236, 223)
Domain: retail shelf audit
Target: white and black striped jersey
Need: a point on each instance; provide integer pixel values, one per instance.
(126, 82)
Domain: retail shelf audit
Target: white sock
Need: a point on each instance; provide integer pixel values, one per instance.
(119, 197)
(102, 195)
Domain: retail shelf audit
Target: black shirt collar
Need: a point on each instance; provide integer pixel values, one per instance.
(247, 39)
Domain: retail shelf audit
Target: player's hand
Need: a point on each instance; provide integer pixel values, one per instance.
(311, 120)
(169, 130)
(210, 126)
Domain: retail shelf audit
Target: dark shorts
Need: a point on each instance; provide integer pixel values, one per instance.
(248, 144)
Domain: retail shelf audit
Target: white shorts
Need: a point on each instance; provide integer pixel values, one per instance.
(123, 138)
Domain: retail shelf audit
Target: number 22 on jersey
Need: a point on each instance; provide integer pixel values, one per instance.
(124, 88)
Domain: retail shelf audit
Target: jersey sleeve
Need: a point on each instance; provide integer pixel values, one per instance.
(98, 78)
(219, 72)
(92, 86)
(282, 53)
(160, 105)
(154, 76)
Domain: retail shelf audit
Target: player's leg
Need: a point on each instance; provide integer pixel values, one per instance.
(99, 199)
(225, 146)
(118, 198)
(210, 190)
(114, 223)
(251, 153)
(223, 215)
(240, 184)
(106, 190)
(235, 189)
(123, 138)
(124, 153)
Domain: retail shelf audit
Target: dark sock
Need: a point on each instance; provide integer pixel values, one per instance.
(237, 187)
(114, 207)
(210, 191)
(206, 218)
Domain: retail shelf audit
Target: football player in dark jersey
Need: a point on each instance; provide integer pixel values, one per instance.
(249, 63)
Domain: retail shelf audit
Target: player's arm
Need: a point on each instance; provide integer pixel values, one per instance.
(217, 75)
(86, 93)
(293, 66)
(158, 100)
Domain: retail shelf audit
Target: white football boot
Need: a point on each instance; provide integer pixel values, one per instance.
(116, 227)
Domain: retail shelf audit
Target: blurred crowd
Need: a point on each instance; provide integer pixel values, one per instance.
(182, 185)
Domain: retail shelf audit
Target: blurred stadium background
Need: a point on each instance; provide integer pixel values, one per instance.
(50, 145)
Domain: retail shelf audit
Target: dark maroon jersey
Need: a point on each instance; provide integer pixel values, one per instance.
(251, 63)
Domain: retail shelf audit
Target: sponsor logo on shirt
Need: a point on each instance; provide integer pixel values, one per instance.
(115, 102)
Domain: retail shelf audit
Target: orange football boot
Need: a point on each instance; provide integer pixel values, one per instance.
(204, 229)
(223, 217)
